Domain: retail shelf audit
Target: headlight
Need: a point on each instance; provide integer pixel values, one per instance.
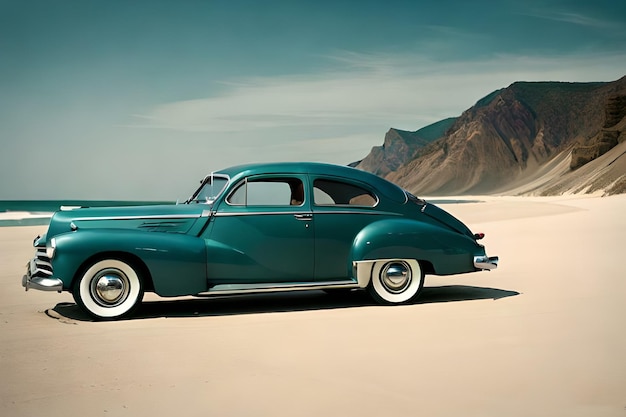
(51, 246)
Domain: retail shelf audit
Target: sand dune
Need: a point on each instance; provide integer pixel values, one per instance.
(605, 175)
(541, 336)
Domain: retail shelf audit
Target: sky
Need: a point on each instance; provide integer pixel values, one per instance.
(139, 100)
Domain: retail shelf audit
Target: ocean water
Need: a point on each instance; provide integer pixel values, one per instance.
(38, 212)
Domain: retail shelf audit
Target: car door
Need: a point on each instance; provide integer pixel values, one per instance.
(341, 209)
(262, 232)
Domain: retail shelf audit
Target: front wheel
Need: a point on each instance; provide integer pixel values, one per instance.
(108, 289)
(396, 281)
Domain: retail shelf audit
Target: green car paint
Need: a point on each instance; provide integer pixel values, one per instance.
(253, 228)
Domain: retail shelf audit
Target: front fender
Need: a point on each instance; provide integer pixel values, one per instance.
(447, 251)
(176, 262)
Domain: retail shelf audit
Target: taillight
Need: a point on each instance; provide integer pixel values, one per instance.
(478, 236)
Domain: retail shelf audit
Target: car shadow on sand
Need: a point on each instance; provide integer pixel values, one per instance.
(279, 302)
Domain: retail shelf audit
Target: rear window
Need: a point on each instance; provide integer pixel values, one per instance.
(337, 193)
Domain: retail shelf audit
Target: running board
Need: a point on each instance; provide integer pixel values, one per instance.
(230, 289)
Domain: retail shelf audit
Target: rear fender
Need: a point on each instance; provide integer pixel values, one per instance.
(447, 251)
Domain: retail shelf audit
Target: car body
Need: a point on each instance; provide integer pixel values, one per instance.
(256, 228)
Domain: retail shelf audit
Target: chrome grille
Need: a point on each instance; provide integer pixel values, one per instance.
(42, 263)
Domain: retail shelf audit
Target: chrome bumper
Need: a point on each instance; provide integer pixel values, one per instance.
(37, 279)
(43, 284)
(486, 262)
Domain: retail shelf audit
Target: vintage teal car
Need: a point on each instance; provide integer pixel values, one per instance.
(256, 228)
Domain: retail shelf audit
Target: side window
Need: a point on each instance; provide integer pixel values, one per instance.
(331, 193)
(268, 192)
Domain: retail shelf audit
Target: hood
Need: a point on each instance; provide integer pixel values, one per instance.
(159, 218)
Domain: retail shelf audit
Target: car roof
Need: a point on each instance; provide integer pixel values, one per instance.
(388, 189)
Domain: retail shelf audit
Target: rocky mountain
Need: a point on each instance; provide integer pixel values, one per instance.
(400, 147)
(529, 138)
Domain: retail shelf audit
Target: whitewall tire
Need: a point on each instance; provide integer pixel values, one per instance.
(396, 281)
(109, 289)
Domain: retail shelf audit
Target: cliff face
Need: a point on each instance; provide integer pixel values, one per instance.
(609, 136)
(400, 146)
(509, 137)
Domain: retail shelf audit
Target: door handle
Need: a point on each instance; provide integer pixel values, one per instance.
(304, 217)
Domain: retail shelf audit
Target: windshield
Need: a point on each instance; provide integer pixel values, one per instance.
(212, 186)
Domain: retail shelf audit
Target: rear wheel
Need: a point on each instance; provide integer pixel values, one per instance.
(396, 281)
(109, 289)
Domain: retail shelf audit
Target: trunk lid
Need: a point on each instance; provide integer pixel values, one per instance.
(446, 218)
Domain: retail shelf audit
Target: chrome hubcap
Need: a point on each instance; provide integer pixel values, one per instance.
(109, 287)
(395, 277)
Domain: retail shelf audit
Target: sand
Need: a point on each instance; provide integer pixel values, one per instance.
(544, 335)
(21, 215)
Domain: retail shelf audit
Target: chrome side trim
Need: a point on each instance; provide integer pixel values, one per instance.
(230, 289)
(486, 263)
(265, 213)
(166, 216)
(296, 213)
(378, 213)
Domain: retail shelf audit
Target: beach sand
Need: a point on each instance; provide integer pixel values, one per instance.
(543, 335)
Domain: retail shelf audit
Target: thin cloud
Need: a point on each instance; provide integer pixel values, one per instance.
(573, 18)
(335, 149)
(371, 93)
